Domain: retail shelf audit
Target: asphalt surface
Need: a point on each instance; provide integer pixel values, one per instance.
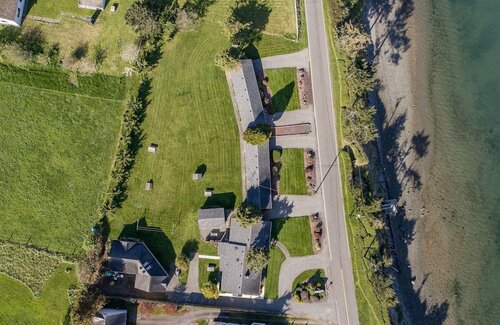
(344, 296)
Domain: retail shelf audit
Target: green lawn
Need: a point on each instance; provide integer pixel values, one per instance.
(57, 146)
(306, 275)
(19, 306)
(295, 234)
(273, 273)
(292, 174)
(283, 85)
(191, 118)
(52, 9)
(203, 275)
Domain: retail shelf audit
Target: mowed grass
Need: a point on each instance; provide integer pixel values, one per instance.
(283, 85)
(273, 273)
(203, 275)
(292, 173)
(295, 234)
(56, 150)
(191, 118)
(52, 9)
(19, 306)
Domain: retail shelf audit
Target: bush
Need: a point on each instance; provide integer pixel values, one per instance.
(210, 290)
(9, 35)
(143, 16)
(185, 20)
(182, 262)
(53, 55)
(32, 40)
(276, 156)
(257, 135)
(247, 214)
(257, 259)
(87, 303)
(99, 55)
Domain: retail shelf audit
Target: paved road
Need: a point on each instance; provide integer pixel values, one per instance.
(343, 283)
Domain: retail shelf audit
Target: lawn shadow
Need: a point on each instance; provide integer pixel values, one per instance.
(281, 99)
(199, 7)
(220, 200)
(251, 17)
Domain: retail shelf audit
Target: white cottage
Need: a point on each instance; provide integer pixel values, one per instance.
(12, 12)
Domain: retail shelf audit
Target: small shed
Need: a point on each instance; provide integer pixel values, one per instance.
(149, 185)
(210, 268)
(212, 223)
(152, 147)
(92, 4)
(197, 176)
(114, 7)
(109, 316)
(208, 192)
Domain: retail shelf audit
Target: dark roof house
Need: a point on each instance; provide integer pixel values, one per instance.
(109, 316)
(12, 11)
(212, 223)
(236, 278)
(135, 258)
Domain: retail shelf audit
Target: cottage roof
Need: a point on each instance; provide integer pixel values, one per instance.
(135, 258)
(209, 219)
(8, 9)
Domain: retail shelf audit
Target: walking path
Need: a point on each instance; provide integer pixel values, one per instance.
(192, 280)
(282, 248)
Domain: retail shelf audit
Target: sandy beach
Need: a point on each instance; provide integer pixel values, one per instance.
(406, 141)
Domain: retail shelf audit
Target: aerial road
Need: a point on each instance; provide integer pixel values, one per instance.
(344, 296)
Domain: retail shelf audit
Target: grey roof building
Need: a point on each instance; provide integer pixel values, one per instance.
(12, 12)
(212, 223)
(257, 159)
(135, 258)
(236, 278)
(109, 316)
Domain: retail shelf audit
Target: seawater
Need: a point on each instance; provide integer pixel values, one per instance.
(463, 191)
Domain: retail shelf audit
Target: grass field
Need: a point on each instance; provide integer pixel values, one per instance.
(283, 85)
(273, 273)
(292, 174)
(191, 118)
(203, 275)
(57, 145)
(370, 309)
(306, 275)
(52, 9)
(295, 234)
(50, 308)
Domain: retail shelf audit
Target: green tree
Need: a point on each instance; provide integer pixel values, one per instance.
(143, 17)
(353, 40)
(258, 134)
(228, 59)
(182, 262)
(257, 259)
(247, 21)
(360, 124)
(247, 214)
(210, 290)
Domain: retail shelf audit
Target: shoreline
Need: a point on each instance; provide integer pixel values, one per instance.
(404, 118)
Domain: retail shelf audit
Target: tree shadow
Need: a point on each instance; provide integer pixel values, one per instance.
(199, 7)
(395, 16)
(220, 200)
(282, 208)
(280, 100)
(156, 240)
(250, 18)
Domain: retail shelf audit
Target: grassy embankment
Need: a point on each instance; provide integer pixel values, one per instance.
(292, 174)
(370, 309)
(283, 85)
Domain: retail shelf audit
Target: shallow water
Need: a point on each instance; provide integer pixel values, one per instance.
(463, 188)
